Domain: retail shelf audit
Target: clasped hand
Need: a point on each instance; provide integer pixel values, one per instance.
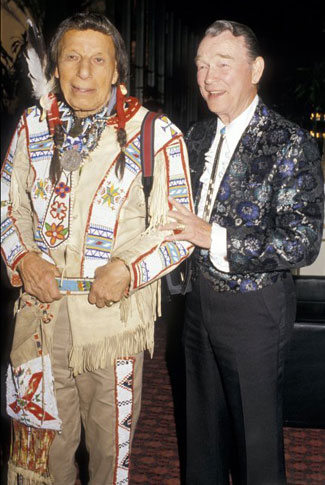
(110, 285)
(38, 275)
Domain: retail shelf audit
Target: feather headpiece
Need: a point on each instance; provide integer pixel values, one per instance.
(42, 87)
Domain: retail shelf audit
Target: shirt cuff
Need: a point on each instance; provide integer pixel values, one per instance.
(218, 249)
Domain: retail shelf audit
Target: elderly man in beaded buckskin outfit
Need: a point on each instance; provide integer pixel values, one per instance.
(259, 200)
(75, 238)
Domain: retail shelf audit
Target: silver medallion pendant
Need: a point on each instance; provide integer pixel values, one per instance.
(70, 160)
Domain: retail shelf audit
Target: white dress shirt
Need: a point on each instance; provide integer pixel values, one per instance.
(234, 131)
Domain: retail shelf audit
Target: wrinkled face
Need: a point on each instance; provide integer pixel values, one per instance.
(226, 76)
(86, 70)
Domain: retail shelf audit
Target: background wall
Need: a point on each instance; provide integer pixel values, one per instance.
(318, 267)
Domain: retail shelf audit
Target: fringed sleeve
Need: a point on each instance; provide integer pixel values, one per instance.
(16, 213)
(149, 257)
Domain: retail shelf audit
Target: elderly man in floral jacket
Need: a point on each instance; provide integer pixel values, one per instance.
(259, 199)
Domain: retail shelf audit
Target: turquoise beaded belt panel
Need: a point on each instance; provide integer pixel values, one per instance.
(74, 286)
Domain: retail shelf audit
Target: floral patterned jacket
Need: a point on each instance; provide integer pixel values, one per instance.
(270, 201)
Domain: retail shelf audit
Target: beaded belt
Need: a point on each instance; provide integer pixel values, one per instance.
(74, 286)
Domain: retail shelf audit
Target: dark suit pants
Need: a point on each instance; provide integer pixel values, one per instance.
(235, 347)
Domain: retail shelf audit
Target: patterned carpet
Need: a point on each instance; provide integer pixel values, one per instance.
(156, 457)
(305, 456)
(158, 452)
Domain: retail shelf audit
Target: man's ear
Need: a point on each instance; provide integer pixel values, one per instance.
(257, 69)
(115, 75)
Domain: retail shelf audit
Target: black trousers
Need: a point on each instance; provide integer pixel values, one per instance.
(235, 349)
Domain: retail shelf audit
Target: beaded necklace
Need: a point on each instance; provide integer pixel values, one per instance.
(80, 136)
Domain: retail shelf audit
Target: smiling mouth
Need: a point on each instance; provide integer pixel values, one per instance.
(216, 93)
(82, 90)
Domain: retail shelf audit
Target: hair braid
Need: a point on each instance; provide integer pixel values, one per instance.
(55, 168)
(120, 165)
(121, 133)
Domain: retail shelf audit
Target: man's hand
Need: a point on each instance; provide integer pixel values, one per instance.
(111, 282)
(38, 278)
(188, 226)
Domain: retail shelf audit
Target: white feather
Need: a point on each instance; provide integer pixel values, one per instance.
(41, 86)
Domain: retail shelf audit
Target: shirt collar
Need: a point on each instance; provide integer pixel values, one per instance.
(236, 128)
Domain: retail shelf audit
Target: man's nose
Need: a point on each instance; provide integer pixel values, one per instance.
(211, 75)
(84, 70)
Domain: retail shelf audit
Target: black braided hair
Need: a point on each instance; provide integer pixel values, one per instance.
(55, 168)
(120, 164)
